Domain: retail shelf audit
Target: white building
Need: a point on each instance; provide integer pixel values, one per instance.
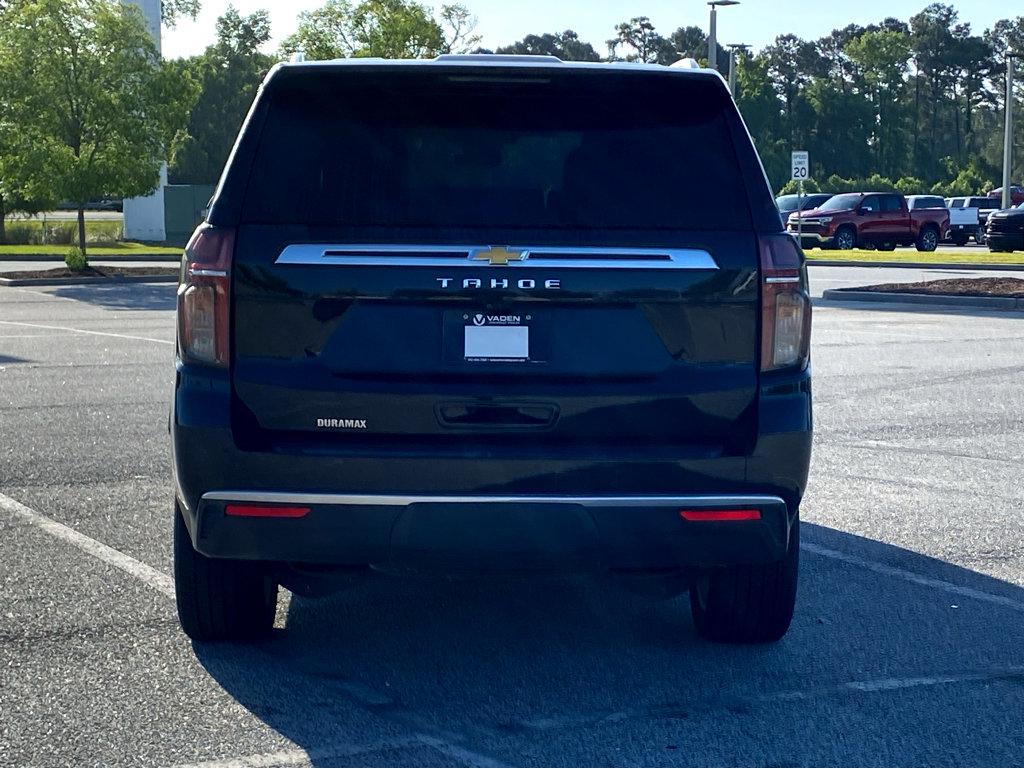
(144, 217)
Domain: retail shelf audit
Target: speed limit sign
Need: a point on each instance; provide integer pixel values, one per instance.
(801, 165)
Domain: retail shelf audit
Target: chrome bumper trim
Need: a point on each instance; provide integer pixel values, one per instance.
(810, 236)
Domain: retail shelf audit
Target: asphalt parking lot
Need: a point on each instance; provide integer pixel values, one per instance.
(905, 650)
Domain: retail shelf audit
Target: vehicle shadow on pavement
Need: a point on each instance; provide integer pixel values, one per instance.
(894, 657)
(123, 296)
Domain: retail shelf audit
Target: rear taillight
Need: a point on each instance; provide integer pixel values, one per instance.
(711, 516)
(785, 304)
(204, 297)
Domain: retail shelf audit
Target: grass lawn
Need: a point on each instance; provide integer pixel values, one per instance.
(942, 256)
(112, 249)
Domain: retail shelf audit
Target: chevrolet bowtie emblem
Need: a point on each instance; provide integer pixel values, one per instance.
(497, 256)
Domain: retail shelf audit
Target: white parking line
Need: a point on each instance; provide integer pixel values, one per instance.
(83, 331)
(896, 684)
(728, 700)
(322, 754)
(135, 568)
(301, 757)
(910, 576)
(35, 336)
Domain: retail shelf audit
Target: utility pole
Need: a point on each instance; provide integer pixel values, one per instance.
(733, 48)
(713, 30)
(1008, 136)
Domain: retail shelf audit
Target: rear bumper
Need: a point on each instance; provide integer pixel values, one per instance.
(541, 507)
(493, 532)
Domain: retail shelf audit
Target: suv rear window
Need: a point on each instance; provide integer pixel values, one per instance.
(472, 150)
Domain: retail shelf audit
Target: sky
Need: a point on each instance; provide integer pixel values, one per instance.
(755, 22)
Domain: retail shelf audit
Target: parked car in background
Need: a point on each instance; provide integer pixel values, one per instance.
(984, 206)
(963, 225)
(789, 204)
(102, 204)
(1005, 230)
(881, 220)
(1016, 194)
(918, 202)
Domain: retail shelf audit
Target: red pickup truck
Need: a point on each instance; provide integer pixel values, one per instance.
(875, 219)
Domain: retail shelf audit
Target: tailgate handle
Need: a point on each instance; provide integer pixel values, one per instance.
(492, 415)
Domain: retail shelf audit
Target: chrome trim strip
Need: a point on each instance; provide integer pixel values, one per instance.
(810, 236)
(209, 273)
(782, 280)
(403, 500)
(411, 255)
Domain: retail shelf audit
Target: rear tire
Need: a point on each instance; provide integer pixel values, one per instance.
(220, 599)
(886, 246)
(928, 239)
(960, 240)
(748, 604)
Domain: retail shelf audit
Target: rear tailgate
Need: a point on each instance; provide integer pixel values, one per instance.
(963, 217)
(428, 257)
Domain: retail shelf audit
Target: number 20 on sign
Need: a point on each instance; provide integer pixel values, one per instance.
(801, 166)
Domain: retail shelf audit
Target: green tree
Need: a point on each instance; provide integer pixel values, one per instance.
(692, 43)
(791, 64)
(792, 187)
(759, 106)
(90, 101)
(230, 72)
(567, 46)
(458, 29)
(172, 10)
(392, 29)
(910, 185)
(883, 57)
(641, 43)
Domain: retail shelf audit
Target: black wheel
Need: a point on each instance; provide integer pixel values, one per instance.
(748, 604)
(219, 599)
(960, 240)
(928, 239)
(979, 235)
(886, 246)
(846, 238)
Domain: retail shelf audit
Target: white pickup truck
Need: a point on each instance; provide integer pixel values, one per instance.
(968, 216)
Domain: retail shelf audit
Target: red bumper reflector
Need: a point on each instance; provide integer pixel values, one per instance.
(720, 515)
(266, 511)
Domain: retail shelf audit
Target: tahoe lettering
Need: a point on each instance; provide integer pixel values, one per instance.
(525, 284)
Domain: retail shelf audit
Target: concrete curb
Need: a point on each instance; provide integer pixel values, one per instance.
(917, 265)
(933, 300)
(15, 282)
(92, 258)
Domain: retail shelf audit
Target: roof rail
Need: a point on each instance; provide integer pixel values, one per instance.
(497, 57)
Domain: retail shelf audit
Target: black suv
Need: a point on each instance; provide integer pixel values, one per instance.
(470, 314)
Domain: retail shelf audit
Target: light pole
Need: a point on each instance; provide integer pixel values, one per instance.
(713, 30)
(733, 47)
(1008, 136)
